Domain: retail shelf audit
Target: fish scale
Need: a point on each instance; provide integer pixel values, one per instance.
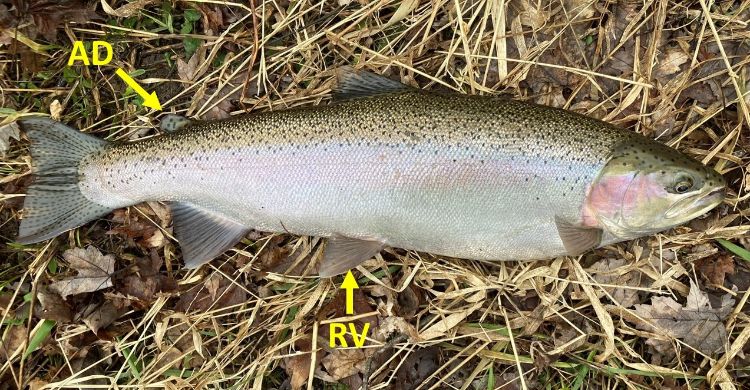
(457, 175)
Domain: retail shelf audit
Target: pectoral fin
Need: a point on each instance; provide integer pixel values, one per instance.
(578, 239)
(203, 234)
(344, 253)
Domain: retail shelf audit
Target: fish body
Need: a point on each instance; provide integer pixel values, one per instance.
(463, 176)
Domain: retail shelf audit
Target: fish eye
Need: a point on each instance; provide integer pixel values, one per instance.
(683, 185)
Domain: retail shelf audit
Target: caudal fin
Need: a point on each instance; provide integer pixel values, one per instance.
(54, 203)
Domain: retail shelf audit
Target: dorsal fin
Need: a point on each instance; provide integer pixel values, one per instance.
(352, 84)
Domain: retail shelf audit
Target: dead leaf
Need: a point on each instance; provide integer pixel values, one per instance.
(94, 270)
(195, 67)
(53, 307)
(55, 110)
(615, 272)
(13, 340)
(99, 316)
(169, 359)
(417, 367)
(394, 325)
(442, 327)
(37, 384)
(146, 281)
(403, 10)
(49, 15)
(298, 366)
(128, 9)
(715, 269)
(6, 300)
(213, 18)
(7, 132)
(408, 301)
(671, 61)
(343, 362)
(205, 297)
(697, 323)
(132, 225)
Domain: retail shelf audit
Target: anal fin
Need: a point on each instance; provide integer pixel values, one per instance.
(344, 253)
(578, 239)
(203, 234)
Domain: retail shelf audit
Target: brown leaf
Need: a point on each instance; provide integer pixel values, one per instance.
(670, 62)
(94, 270)
(133, 226)
(146, 281)
(54, 306)
(195, 67)
(128, 9)
(12, 341)
(49, 15)
(408, 301)
(715, 269)
(697, 323)
(7, 132)
(6, 300)
(98, 316)
(344, 362)
(298, 366)
(209, 297)
(417, 367)
(213, 19)
(169, 359)
(615, 272)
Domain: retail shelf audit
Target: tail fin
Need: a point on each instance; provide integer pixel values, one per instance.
(54, 203)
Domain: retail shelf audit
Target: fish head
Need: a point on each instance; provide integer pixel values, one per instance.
(646, 187)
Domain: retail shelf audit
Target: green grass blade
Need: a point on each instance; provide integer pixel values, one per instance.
(39, 336)
(743, 253)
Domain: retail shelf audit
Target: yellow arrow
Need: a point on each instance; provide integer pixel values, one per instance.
(149, 99)
(349, 284)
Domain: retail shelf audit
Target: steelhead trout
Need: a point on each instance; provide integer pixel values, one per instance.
(385, 165)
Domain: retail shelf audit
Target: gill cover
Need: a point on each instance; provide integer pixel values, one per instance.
(647, 187)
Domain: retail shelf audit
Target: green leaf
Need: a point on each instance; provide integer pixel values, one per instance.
(70, 75)
(187, 28)
(491, 378)
(4, 111)
(583, 371)
(133, 363)
(743, 253)
(191, 45)
(137, 72)
(192, 15)
(52, 266)
(36, 339)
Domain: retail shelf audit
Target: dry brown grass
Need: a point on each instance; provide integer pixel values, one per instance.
(676, 71)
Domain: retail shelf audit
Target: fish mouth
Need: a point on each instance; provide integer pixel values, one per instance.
(699, 205)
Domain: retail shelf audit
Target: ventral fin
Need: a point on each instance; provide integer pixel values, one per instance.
(343, 253)
(172, 122)
(578, 239)
(203, 234)
(352, 84)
